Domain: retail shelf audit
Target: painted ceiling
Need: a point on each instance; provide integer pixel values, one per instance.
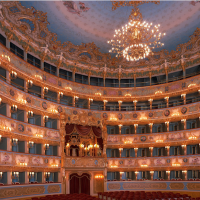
(94, 21)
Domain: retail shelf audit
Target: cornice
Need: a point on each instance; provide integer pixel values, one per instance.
(69, 88)
(74, 56)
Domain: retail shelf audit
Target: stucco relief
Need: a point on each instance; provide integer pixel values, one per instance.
(176, 186)
(114, 186)
(193, 186)
(140, 185)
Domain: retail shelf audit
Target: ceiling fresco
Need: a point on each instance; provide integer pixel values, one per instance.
(94, 21)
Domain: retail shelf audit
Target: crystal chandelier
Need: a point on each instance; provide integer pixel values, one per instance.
(135, 40)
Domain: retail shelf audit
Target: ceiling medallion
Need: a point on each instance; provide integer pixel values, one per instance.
(135, 40)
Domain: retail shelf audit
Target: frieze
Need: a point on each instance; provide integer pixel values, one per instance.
(193, 186)
(140, 185)
(153, 162)
(72, 55)
(176, 186)
(53, 188)
(170, 138)
(114, 186)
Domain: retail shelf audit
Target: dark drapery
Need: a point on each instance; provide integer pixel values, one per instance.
(74, 184)
(80, 184)
(83, 130)
(69, 128)
(100, 142)
(97, 131)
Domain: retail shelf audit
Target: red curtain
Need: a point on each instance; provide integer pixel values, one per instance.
(69, 128)
(74, 183)
(97, 131)
(83, 130)
(100, 142)
(80, 184)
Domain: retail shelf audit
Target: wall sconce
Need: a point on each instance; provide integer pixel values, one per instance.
(121, 149)
(151, 148)
(98, 94)
(143, 118)
(46, 90)
(47, 174)
(1, 175)
(120, 102)
(192, 85)
(151, 172)
(13, 75)
(121, 172)
(68, 88)
(99, 176)
(16, 174)
(113, 119)
(159, 141)
(150, 100)
(96, 146)
(54, 111)
(38, 135)
(30, 113)
(167, 172)
(14, 141)
(23, 164)
(166, 123)
(30, 83)
(0, 100)
(31, 174)
(120, 125)
(127, 95)
(144, 165)
(158, 92)
(81, 145)
(136, 149)
(136, 172)
(67, 145)
(166, 98)
(54, 165)
(61, 94)
(192, 138)
(113, 166)
(6, 57)
(91, 100)
(38, 76)
(7, 128)
(46, 146)
(199, 90)
(183, 145)
(184, 171)
(22, 101)
(14, 108)
(46, 118)
(135, 125)
(167, 147)
(150, 124)
(183, 120)
(105, 101)
(134, 101)
(176, 164)
(76, 98)
(31, 144)
(183, 95)
(0, 137)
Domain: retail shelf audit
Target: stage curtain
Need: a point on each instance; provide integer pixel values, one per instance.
(85, 183)
(69, 128)
(74, 183)
(83, 130)
(97, 131)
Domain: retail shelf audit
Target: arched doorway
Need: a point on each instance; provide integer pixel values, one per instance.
(79, 184)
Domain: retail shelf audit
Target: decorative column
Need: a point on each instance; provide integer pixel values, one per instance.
(120, 152)
(150, 101)
(184, 123)
(73, 74)
(151, 151)
(104, 104)
(166, 71)
(104, 136)
(26, 48)
(89, 102)
(135, 127)
(167, 101)
(167, 147)
(167, 124)
(121, 173)
(168, 175)
(183, 96)
(152, 172)
(119, 102)
(104, 75)
(7, 77)
(9, 179)
(185, 174)
(135, 104)
(136, 174)
(150, 127)
(184, 149)
(9, 144)
(136, 150)
(8, 110)
(120, 128)
(9, 37)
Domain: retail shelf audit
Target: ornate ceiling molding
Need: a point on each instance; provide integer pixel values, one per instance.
(29, 28)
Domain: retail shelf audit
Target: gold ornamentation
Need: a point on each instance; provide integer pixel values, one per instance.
(53, 188)
(176, 186)
(114, 186)
(193, 186)
(140, 185)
